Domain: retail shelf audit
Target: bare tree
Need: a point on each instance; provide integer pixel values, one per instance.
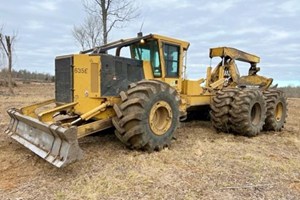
(88, 34)
(2, 54)
(6, 43)
(109, 13)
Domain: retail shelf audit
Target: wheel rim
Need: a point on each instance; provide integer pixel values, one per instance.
(255, 114)
(160, 118)
(278, 111)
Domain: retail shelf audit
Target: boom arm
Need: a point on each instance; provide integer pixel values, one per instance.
(228, 69)
(233, 53)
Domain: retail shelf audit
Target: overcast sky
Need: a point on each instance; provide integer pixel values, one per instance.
(269, 29)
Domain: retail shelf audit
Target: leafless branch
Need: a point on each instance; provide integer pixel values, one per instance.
(2, 40)
(112, 13)
(88, 34)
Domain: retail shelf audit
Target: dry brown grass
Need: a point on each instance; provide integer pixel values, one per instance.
(200, 164)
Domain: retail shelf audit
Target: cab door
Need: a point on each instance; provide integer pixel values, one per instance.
(172, 62)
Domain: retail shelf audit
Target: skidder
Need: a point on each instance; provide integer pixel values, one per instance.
(144, 96)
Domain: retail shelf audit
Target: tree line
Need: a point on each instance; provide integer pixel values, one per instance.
(25, 76)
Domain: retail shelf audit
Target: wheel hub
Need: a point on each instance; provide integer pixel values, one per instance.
(278, 111)
(160, 118)
(255, 114)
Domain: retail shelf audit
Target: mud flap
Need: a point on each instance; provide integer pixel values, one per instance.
(56, 144)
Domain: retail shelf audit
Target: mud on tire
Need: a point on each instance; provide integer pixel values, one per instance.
(248, 112)
(147, 116)
(276, 110)
(220, 107)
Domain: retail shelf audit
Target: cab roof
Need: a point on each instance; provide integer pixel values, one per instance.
(126, 42)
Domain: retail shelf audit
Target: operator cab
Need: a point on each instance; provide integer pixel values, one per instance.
(164, 54)
(162, 57)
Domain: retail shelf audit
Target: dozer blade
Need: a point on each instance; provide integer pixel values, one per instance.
(56, 144)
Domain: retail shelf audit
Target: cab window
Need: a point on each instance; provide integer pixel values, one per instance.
(148, 51)
(171, 56)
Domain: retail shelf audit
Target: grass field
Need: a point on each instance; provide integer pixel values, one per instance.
(200, 164)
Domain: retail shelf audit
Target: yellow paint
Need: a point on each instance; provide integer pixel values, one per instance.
(30, 110)
(175, 82)
(197, 100)
(84, 94)
(185, 45)
(46, 116)
(148, 73)
(95, 111)
(208, 76)
(190, 87)
(93, 127)
(160, 117)
(218, 84)
(256, 80)
(233, 53)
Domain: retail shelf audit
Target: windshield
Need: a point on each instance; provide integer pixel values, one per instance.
(148, 51)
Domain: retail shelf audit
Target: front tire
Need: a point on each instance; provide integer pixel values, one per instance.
(148, 115)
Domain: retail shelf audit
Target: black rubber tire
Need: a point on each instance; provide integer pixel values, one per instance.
(275, 99)
(132, 115)
(220, 107)
(248, 112)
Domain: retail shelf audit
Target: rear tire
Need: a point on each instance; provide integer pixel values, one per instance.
(248, 112)
(148, 115)
(276, 110)
(220, 107)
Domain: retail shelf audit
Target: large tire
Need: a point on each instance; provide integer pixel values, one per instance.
(220, 107)
(276, 110)
(147, 116)
(248, 112)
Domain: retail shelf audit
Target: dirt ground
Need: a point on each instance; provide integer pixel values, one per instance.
(200, 164)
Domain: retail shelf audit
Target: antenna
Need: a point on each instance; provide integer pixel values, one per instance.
(142, 25)
(140, 33)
